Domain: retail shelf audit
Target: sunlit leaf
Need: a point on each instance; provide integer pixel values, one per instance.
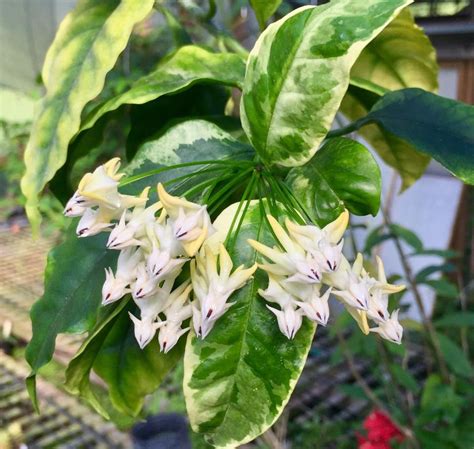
(342, 174)
(85, 49)
(239, 378)
(298, 73)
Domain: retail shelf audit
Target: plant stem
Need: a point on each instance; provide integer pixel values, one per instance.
(426, 320)
(351, 127)
(370, 393)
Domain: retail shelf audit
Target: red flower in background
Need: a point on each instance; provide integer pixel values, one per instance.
(380, 431)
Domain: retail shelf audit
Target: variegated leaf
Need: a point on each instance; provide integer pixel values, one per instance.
(239, 378)
(401, 56)
(85, 49)
(298, 73)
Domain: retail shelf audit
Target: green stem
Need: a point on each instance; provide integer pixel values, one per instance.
(350, 128)
(157, 171)
(425, 319)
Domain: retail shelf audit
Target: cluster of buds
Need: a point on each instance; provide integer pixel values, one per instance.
(157, 241)
(309, 260)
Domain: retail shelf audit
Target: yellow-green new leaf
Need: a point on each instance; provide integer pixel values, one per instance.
(401, 56)
(85, 49)
(298, 73)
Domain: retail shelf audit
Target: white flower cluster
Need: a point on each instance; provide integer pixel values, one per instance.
(309, 259)
(155, 242)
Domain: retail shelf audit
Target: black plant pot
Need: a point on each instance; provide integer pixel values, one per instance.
(163, 431)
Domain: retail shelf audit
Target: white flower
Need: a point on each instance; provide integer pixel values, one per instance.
(114, 287)
(212, 288)
(355, 293)
(289, 320)
(276, 293)
(150, 306)
(390, 329)
(378, 305)
(293, 262)
(324, 244)
(160, 264)
(75, 206)
(100, 188)
(316, 308)
(144, 329)
(191, 222)
(178, 309)
(145, 284)
(93, 221)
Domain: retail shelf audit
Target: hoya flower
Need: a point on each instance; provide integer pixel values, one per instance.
(378, 306)
(213, 287)
(355, 293)
(128, 234)
(154, 304)
(381, 282)
(145, 284)
(390, 329)
(75, 206)
(178, 309)
(289, 320)
(317, 307)
(276, 293)
(93, 221)
(293, 261)
(191, 222)
(144, 329)
(324, 244)
(101, 186)
(114, 287)
(160, 264)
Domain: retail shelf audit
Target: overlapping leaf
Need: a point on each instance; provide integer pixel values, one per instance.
(401, 56)
(342, 174)
(264, 9)
(85, 49)
(73, 282)
(188, 66)
(238, 380)
(132, 373)
(298, 73)
(439, 127)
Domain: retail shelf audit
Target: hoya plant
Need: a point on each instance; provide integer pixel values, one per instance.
(217, 236)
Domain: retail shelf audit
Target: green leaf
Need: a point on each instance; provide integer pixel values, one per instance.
(188, 66)
(401, 56)
(444, 253)
(404, 377)
(437, 126)
(238, 380)
(73, 282)
(150, 120)
(79, 368)
(442, 287)
(264, 9)
(423, 274)
(455, 357)
(130, 372)
(85, 49)
(342, 174)
(456, 319)
(439, 402)
(189, 141)
(407, 236)
(298, 73)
